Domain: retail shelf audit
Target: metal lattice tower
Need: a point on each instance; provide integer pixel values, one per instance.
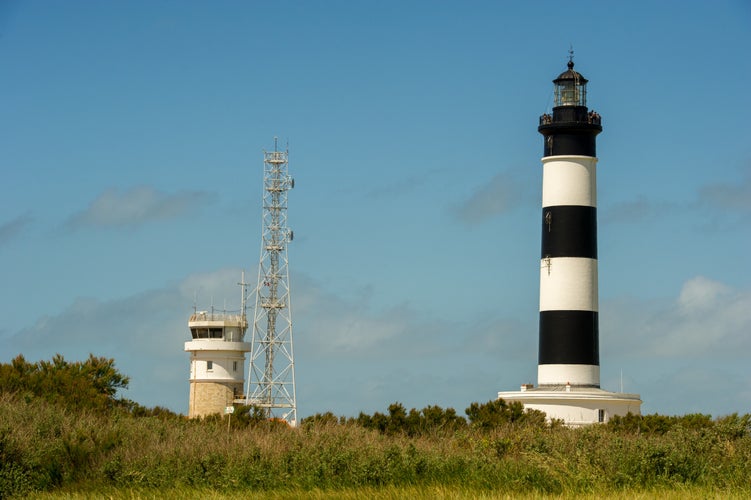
(271, 375)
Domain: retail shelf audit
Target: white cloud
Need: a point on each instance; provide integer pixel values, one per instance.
(716, 196)
(219, 289)
(634, 211)
(735, 196)
(144, 333)
(351, 327)
(700, 295)
(399, 187)
(13, 227)
(352, 356)
(707, 318)
(349, 354)
(684, 354)
(138, 205)
(495, 197)
(682, 387)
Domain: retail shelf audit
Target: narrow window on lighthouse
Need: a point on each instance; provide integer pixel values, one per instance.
(209, 366)
(234, 366)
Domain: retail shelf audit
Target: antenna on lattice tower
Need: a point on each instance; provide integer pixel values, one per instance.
(243, 295)
(271, 374)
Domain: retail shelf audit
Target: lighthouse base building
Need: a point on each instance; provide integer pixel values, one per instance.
(568, 371)
(575, 406)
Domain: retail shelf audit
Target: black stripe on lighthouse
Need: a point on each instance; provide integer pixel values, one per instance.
(567, 143)
(569, 338)
(569, 231)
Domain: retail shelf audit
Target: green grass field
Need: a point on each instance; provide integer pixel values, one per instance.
(389, 493)
(80, 454)
(63, 434)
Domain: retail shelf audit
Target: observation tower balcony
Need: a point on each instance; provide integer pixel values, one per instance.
(218, 326)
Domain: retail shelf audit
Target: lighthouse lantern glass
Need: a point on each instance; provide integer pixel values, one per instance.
(570, 93)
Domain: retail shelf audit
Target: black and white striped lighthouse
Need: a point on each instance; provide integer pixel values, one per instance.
(569, 347)
(568, 368)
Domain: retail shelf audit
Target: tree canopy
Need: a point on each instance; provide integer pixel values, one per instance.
(90, 384)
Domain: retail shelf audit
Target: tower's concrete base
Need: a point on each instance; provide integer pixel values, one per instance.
(208, 398)
(575, 406)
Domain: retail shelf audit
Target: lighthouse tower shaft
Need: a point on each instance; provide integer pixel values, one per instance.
(271, 382)
(568, 337)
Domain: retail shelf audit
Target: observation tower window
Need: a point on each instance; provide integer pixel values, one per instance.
(200, 333)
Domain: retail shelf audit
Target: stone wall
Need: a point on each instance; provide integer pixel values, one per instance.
(207, 398)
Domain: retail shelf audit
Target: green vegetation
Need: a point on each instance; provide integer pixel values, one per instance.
(63, 431)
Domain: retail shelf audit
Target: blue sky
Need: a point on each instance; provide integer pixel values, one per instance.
(131, 148)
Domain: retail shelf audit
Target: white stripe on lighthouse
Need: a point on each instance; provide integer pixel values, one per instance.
(568, 283)
(569, 180)
(568, 374)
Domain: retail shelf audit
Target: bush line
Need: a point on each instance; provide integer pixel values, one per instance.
(48, 443)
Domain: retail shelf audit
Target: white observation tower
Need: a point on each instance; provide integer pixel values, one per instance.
(217, 359)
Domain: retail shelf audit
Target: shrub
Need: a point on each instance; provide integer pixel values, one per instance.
(87, 385)
(431, 420)
(498, 412)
